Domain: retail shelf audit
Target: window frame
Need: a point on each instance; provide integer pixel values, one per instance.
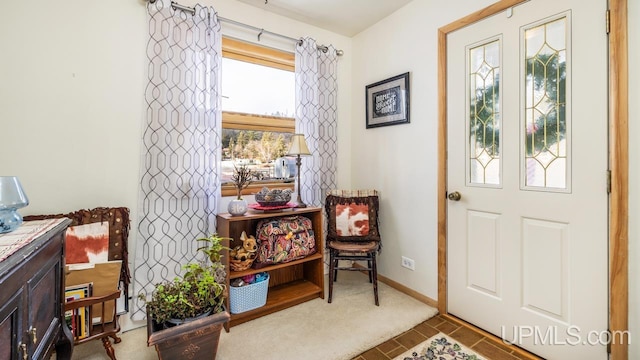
(259, 55)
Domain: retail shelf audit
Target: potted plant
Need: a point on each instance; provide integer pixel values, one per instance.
(185, 316)
(242, 177)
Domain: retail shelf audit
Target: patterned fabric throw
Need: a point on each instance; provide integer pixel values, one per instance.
(87, 243)
(439, 347)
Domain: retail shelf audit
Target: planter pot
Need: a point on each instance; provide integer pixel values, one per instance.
(175, 322)
(237, 207)
(197, 339)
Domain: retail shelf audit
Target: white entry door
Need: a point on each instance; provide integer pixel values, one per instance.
(527, 177)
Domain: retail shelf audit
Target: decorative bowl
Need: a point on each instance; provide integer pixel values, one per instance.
(275, 197)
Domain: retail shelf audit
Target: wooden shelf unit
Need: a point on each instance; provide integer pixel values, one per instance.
(290, 283)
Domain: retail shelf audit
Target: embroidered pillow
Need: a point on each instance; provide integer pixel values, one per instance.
(352, 219)
(87, 243)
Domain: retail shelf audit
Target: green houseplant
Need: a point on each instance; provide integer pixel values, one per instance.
(186, 315)
(199, 291)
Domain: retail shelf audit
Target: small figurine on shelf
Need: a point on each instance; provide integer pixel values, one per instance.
(241, 257)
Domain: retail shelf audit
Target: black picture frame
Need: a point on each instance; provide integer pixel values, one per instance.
(387, 102)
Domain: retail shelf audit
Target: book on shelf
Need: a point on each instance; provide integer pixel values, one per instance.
(78, 319)
(104, 278)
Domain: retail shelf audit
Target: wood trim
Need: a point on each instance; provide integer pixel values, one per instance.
(229, 189)
(408, 291)
(442, 135)
(619, 163)
(244, 121)
(403, 289)
(480, 15)
(256, 54)
(442, 172)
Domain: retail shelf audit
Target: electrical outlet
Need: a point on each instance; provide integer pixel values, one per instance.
(408, 263)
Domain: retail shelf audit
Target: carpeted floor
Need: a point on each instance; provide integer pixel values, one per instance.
(344, 329)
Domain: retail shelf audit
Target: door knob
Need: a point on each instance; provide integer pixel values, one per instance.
(454, 196)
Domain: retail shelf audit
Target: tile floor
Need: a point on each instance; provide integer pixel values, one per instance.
(483, 345)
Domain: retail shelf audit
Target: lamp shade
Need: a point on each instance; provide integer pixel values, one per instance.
(12, 195)
(298, 145)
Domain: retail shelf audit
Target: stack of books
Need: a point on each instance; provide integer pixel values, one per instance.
(78, 320)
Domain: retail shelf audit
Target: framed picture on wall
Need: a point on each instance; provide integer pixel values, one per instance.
(388, 101)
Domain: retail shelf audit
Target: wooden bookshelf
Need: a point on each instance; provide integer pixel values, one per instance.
(290, 283)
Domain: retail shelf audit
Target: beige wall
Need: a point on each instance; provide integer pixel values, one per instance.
(401, 160)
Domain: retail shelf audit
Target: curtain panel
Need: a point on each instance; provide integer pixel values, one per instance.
(317, 118)
(179, 184)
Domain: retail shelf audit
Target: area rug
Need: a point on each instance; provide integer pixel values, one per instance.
(439, 347)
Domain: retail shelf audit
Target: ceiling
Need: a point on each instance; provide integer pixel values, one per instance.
(346, 17)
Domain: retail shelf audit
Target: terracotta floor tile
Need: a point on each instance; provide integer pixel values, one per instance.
(389, 346)
(374, 354)
(466, 336)
(396, 352)
(426, 329)
(491, 352)
(447, 327)
(435, 320)
(497, 342)
(410, 339)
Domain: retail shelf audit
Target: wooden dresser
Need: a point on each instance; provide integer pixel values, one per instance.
(32, 295)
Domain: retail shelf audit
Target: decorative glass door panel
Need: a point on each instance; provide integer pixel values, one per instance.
(525, 245)
(484, 114)
(546, 119)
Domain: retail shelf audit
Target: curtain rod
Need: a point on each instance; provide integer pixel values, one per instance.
(191, 10)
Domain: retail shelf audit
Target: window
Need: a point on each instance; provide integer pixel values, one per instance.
(258, 105)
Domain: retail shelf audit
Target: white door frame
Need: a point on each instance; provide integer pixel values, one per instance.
(618, 162)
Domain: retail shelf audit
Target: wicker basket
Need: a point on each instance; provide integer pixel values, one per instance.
(248, 297)
(240, 265)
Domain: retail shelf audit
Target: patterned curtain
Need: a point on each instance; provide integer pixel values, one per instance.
(317, 118)
(179, 185)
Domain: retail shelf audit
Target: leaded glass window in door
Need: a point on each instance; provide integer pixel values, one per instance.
(546, 119)
(484, 114)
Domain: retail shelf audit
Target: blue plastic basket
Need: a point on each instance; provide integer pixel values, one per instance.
(248, 297)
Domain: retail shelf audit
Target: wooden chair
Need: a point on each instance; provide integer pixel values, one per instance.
(352, 233)
(103, 328)
(108, 326)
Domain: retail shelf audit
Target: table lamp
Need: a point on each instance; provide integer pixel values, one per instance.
(299, 147)
(12, 198)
